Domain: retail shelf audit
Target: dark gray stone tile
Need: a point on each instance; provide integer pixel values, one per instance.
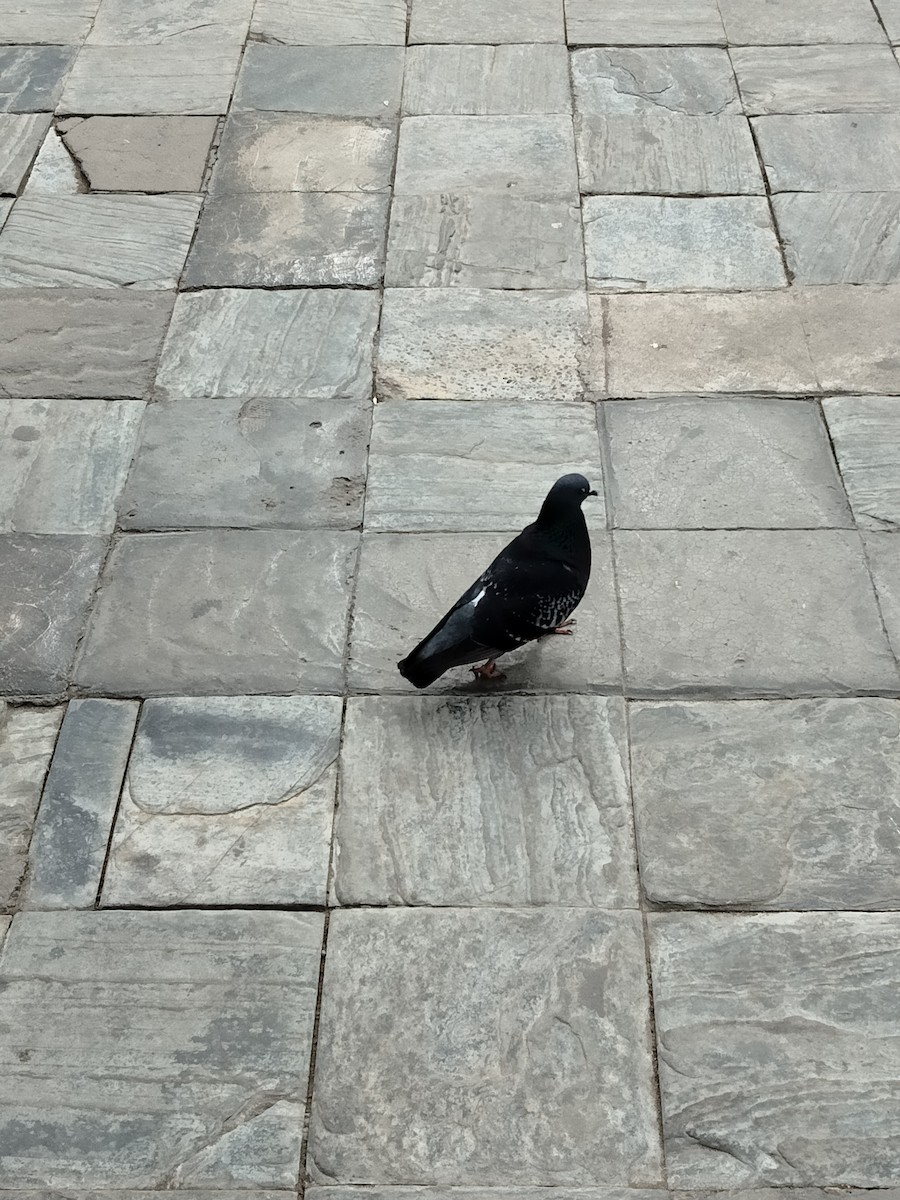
(470, 21)
(20, 136)
(817, 79)
(487, 80)
(854, 336)
(830, 152)
(174, 78)
(27, 738)
(694, 80)
(141, 154)
(652, 22)
(840, 237)
(795, 22)
(325, 23)
(66, 22)
(883, 553)
(866, 435)
(31, 77)
(337, 81)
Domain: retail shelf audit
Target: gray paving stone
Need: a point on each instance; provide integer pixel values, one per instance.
(487, 80)
(817, 79)
(5, 206)
(175, 78)
(661, 243)
(471, 21)
(68, 849)
(27, 738)
(485, 240)
(750, 613)
(339, 81)
(291, 464)
(289, 239)
(884, 562)
(643, 22)
(768, 804)
(62, 21)
(217, 1006)
(795, 22)
(407, 581)
(697, 80)
(731, 462)
(141, 154)
(46, 584)
(97, 241)
(727, 343)
(62, 466)
(31, 77)
(265, 345)
(20, 136)
(219, 1194)
(797, 1001)
(889, 11)
(423, 455)
(840, 237)
(508, 800)
(63, 342)
(472, 1193)
(54, 172)
(331, 22)
(201, 23)
(854, 336)
(227, 801)
(220, 611)
(831, 152)
(866, 435)
(559, 1092)
(468, 344)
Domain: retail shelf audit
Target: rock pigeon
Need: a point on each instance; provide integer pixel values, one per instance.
(529, 590)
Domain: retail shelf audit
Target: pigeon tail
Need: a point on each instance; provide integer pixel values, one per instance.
(421, 669)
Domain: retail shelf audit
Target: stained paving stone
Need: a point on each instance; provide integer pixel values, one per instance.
(470, 21)
(487, 80)
(62, 466)
(97, 241)
(817, 79)
(289, 239)
(174, 78)
(292, 464)
(866, 435)
(31, 77)
(141, 154)
(20, 136)
(54, 172)
(408, 581)
(68, 848)
(229, 801)
(64, 342)
(722, 463)
(27, 738)
(478, 239)
(340, 81)
(423, 453)
(515, 800)
(468, 344)
(696, 80)
(854, 336)
(840, 237)
(750, 613)
(217, 1006)
(884, 562)
(661, 243)
(66, 22)
(796, 22)
(797, 1001)
(648, 22)
(830, 152)
(331, 22)
(201, 23)
(269, 344)
(565, 1093)
(46, 584)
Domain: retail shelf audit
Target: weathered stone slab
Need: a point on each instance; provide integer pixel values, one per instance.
(795, 22)
(783, 613)
(513, 155)
(296, 464)
(889, 11)
(201, 23)
(485, 240)
(423, 456)
(558, 1092)
(289, 239)
(865, 431)
(141, 154)
(5, 206)
(220, 611)
(840, 237)
(487, 80)
(854, 336)
(331, 22)
(337, 81)
(661, 243)
(227, 801)
(470, 21)
(27, 738)
(64, 21)
(470, 1193)
(830, 152)
(97, 241)
(20, 136)
(173, 78)
(884, 563)
(54, 172)
(468, 344)
(31, 77)
(678, 344)
(406, 582)
(507, 800)
(264, 345)
(817, 79)
(46, 585)
(652, 22)
(68, 848)
(696, 80)
(60, 342)
(685, 463)
(216, 1006)
(797, 1001)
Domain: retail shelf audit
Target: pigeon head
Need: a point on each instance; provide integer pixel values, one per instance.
(565, 498)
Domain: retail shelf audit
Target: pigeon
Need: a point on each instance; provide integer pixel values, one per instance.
(530, 590)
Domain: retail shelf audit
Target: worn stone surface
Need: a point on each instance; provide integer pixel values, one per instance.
(20, 136)
(485, 240)
(486, 80)
(406, 582)
(331, 22)
(884, 563)
(339, 81)
(171, 78)
(63, 342)
(660, 243)
(200, 23)
(564, 1091)
(325, 1192)
(27, 738)
(795, 22)
(423, 455)
(54, 172)
(141, 154)
(218, 1006)
(227, 801)
(889, 11)
(865, 431)
(31, 77)
(471, 21)
(293, 464)
(470, 344)
(817, 79)
(264, 345)
(63, 21)
(68, 849)
(798, 1001)
(220, 611)
(5, 206)
(854, 336)
(696, 80)
(830, 152)
(285, 239)
(653, 22)
(785, 612)
(840, 237)
(62, 466)
(46, 585)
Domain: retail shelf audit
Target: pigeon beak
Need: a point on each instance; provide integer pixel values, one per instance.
(592, 492)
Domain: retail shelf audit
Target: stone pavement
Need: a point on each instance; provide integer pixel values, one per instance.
(628, 924)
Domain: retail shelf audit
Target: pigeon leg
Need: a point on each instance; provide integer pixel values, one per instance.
(488, 671)
(566, 627)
